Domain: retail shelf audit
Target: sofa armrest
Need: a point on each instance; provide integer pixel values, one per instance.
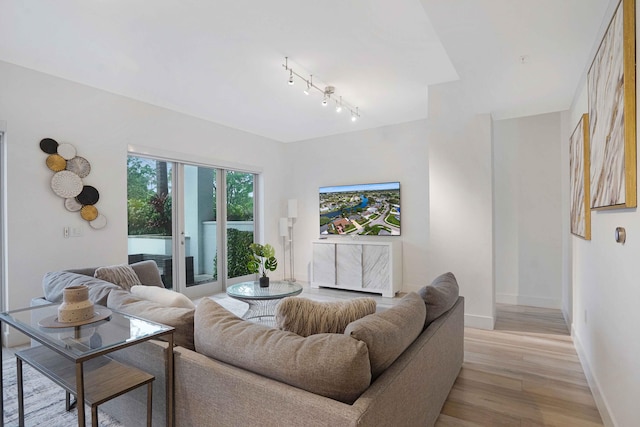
(39, 301)
(414, 388)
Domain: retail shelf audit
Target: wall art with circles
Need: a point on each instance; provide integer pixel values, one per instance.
(68, 171)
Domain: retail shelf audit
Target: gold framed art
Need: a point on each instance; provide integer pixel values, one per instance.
(611, 87)
(579, 179)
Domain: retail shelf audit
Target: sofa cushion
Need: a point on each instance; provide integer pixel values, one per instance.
(306, 317)
(148, 273)
(330, 365)
(388, 333)
(54, 282)
(178, 317)
(162, 296)
(122, 275)
(439, 296)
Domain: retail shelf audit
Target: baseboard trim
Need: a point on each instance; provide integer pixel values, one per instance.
(601, 403)
(528, 300)
(479, 322)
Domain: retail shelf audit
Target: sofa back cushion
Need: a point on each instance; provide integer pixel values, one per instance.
(388, 333)
(122, 275)
(148, 273)
(306, 317)
(178, 317)
(439, 296)
(54, 282)
(330, 365)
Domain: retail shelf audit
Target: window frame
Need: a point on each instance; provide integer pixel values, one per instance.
(179, 160)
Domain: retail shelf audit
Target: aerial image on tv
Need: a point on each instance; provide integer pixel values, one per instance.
(365, 209)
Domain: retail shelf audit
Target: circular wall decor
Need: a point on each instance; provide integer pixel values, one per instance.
(79, 165)
(66, 184)
(67, 151)
(89, 212)
(49, 146)
(56, 162)
(72, 204)
(99, 222)
(88, 196)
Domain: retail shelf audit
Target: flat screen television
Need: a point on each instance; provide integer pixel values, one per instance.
(361, 209)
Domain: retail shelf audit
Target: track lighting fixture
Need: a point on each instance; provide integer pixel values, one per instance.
(327, 93)
(307, 89)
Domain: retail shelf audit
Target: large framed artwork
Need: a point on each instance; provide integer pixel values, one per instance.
(579, 179)
(611, 87)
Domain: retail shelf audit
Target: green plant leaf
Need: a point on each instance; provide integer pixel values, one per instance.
(268, 251)
(253, 266)
(271, 263)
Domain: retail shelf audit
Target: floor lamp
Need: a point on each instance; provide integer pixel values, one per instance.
(284, 233)
(292, 214)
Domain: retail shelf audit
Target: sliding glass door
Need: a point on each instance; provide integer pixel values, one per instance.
(196, 222)
(239, 224)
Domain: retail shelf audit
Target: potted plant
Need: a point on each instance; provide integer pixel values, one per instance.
(262, 260)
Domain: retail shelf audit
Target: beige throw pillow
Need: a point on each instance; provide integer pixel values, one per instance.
(163, 296)
(330, 365)
(148, 273)
(122, 275)
(389, 332)
(306, 317)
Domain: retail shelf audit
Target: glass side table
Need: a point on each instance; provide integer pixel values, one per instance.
(74, 357)
(262, 301)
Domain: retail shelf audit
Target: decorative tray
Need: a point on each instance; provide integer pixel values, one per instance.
(101, 313)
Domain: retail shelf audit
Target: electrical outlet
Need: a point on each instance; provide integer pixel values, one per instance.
(76, 231)
(65, 232)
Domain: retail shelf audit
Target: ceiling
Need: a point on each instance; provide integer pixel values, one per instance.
(223, 60)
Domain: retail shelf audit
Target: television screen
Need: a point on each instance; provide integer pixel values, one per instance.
(363, 209)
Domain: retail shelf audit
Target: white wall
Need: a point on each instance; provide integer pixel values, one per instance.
(528, 210)
(101, 126)
(605, 303)
(444, 167)
(460, 191)
(392, 153)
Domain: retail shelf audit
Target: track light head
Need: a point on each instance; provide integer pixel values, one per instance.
(324, 101)
(354, 116)
(339, 106)
(291, 77)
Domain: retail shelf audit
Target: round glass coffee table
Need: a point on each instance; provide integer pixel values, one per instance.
(262, 301)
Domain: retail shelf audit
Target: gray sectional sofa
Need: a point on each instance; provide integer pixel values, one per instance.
(395, 367)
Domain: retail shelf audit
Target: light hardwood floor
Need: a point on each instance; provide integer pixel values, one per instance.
(524, 373)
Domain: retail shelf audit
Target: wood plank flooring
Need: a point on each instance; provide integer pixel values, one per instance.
(524, 373)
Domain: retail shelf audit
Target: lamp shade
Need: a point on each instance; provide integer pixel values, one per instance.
(284, 227)
(292, 208)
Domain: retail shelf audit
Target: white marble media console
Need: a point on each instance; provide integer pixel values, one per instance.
(358, 266)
